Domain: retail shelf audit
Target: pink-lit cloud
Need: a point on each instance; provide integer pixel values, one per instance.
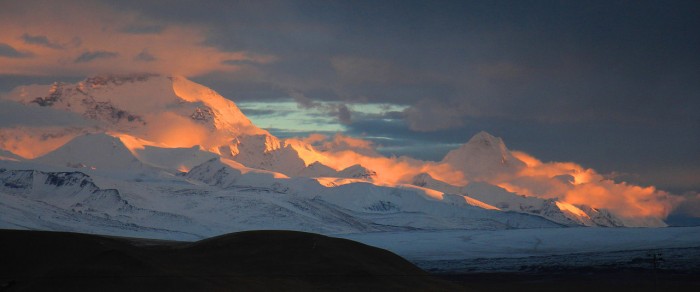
(83, 38)
(577, 185)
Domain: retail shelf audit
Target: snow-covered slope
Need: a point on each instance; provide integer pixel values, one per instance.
(127, 101)
(222, 196)
(427, 181)
(266, 152)
(551, 209)
(404, 206)
(61, 189)
(357, 171)
(542, 250)
(93, 151)
(161, 156)
(225, 173)
(317, 169)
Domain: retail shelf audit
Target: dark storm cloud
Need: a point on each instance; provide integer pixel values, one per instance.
(544, 61)
(10, 52)
(41, 40)
(94, 55)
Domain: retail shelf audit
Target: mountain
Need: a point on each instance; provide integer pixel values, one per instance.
(62, 189)
(552, 209)
(266, 152)
(93, 151)
(126, 101)
(165, 112)
(147, 106)
(317, 169)
(427, 181)
(163, 157)
(357, 171)
(383, 208)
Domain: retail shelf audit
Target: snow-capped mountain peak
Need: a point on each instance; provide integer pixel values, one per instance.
(92, 151)
(224, 112)
(148, 106)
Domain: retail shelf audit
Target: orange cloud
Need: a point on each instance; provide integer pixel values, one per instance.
(566, 181)
(395, 170)
(173, 130)
(575, 184)
(343, 151)
(79, 38)
(341, 142)
(31, 142)
(314, 138)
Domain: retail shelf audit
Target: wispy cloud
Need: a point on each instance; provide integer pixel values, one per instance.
(41, 40)
(91, 56)
(10, 52)
(75, 38)
(145, 56)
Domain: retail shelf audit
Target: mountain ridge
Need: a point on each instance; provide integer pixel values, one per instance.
(176, 149)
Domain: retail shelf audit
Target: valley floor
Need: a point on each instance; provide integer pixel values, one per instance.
(459, 251)
(574, 280)
(553, 259)
(447, 245)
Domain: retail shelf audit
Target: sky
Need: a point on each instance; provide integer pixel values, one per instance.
(610, 85)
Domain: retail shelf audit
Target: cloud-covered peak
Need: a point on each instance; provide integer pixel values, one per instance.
(486, 140)
(483, 156)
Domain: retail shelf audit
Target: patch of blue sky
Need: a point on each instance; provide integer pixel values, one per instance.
(288, 116)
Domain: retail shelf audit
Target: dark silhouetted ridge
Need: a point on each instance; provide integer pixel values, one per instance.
(252, 260)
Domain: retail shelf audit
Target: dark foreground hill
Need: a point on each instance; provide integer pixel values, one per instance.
(255, 260)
